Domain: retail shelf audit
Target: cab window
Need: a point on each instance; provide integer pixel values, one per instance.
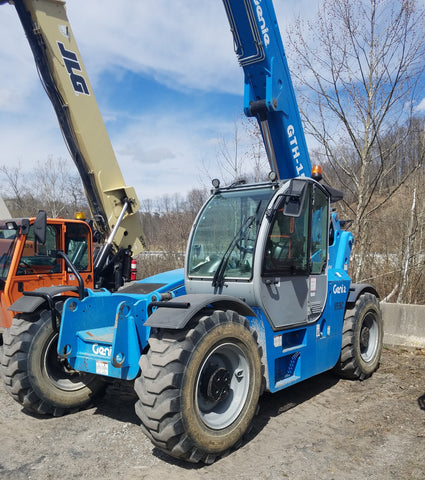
(319, 231)
(39, 258)
(287, 243)
(298, 245)
(77, 245)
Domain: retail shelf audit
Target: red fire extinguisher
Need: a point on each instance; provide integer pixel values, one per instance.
(133, 272)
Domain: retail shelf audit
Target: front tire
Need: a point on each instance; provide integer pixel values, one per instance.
(199, 388)
(34, 375)
(362, 339)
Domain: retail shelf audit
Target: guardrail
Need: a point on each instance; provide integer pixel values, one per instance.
(404, 325)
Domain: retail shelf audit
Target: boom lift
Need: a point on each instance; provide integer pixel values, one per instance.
(266, 300)
(66, 83)
(29, 246)
(113, 205)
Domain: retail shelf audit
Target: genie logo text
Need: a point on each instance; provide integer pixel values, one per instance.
(262, 22)
(339, 289)
(102, 351)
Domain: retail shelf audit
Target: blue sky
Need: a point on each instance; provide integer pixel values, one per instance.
(165, 77)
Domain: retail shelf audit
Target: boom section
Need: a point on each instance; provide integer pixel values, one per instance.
(268, 93)
(66, 82)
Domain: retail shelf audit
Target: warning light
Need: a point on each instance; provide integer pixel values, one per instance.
(316, 173)
(80, 216)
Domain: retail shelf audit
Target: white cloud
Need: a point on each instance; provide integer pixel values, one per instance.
(185, 45)
(421, 106)
(162, 156)
(5, 97)
(16, 62)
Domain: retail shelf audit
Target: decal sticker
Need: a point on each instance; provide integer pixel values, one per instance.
(71, 63)
(313, 286)
(339, 306)
(64, 30)
(295, 149)
(101, 368)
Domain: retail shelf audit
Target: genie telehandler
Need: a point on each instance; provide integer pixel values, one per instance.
(264, 302)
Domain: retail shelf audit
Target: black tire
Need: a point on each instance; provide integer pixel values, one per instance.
(199, 388)
(362, 338)
(33, 374)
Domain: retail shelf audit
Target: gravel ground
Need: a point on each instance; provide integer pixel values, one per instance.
(323, 428)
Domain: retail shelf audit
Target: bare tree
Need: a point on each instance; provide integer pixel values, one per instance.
(50, 186)
(229, 161)
(412, 268)
(15, 186)
(49, 181)
(360, 65)
(166, 225)
(242, 156)
(257, 157)
(407, 252)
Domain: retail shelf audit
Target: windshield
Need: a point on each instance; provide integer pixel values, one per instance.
(223, 242)
(7, 246)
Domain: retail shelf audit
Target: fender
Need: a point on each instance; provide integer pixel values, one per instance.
(30, 301)
(357, 289)
(187, 306)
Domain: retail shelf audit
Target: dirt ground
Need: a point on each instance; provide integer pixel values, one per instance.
(323, 428)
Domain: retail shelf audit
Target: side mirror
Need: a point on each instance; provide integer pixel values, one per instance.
(40, 227)
(294, 197)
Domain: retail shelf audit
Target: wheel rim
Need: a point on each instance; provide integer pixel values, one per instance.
(222, 386)
(369, 337)
(57, 371)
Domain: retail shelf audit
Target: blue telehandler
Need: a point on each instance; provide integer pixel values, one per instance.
(264, 301)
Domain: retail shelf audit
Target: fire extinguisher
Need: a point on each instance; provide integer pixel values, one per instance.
(133, 272)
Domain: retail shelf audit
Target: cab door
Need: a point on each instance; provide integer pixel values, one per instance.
(293, 286)
(79, 248)
(39, 266)
(33, 265)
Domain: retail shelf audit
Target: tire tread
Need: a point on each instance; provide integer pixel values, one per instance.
(162, 371)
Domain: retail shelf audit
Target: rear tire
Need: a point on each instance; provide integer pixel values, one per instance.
(199, 388)
(362, 339)
(34, 375)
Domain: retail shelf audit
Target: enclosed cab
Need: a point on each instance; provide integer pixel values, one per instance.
(275, 232)
(28, 262)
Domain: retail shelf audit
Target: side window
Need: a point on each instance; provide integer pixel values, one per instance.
(287, 244)
(77, 245)
(38, 259)
(319, 231)
(52, 240)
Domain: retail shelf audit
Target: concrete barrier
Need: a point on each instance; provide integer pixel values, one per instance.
(404, 325)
